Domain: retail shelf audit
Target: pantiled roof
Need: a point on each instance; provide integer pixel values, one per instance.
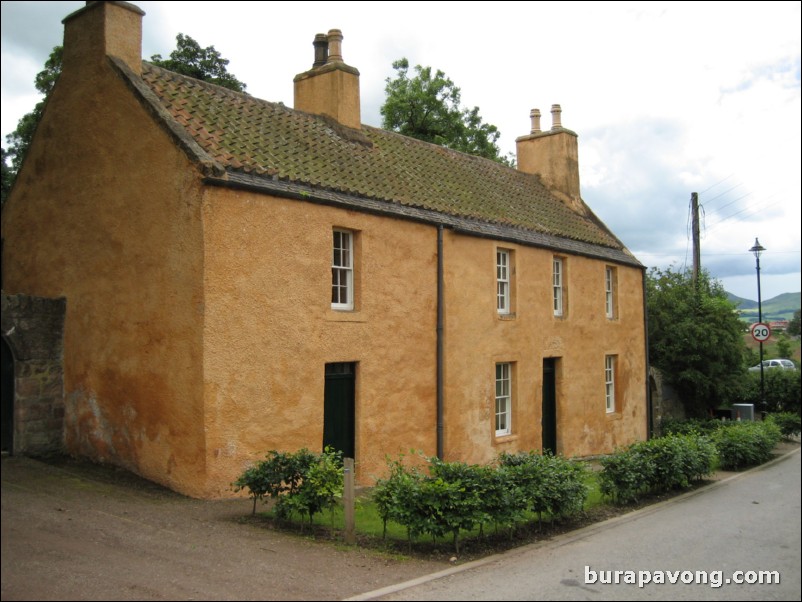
(246, 138)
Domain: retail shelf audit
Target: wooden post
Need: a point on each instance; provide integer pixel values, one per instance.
(697, 251)
(348, 500)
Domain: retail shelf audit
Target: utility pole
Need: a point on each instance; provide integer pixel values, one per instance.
(697, 254)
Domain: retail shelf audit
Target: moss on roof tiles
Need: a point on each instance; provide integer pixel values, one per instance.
(247, 134)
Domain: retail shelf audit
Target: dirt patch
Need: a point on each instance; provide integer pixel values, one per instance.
(76, 531)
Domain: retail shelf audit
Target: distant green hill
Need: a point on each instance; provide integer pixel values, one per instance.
(781, 307)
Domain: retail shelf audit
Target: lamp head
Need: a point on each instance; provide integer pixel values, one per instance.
(757, 249)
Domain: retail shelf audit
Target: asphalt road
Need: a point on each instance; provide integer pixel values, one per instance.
(721, 534)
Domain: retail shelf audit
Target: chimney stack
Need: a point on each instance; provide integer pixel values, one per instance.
(321, 45)
(331, 87)
(556, 121)
(534, 115)
(553, 155)
(102, 29)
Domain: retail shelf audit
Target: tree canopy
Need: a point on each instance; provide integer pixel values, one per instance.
(427, 107)
(188, 59)
(793, 325)
(201, 63)
(695, 338)
(20, 139)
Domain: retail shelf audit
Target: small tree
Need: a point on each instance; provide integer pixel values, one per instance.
(695, 338)
(201, 63)
(794, 324)
(427, 107)
(783, 346)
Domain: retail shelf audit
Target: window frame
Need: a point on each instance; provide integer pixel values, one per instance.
(344, 269)
(503, 394)
(609, 383)
(503, 282)
(610, 292)
(558, 286)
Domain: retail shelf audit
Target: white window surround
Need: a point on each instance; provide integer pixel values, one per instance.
(557, 285)
(342, 270)
(609, 383)
(503, 281)
(503, 413)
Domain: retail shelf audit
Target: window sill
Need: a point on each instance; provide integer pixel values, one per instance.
(345, 315)
(614, 416)
(505, 439)
(507, 318)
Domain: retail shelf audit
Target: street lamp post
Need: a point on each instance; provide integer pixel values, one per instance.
(757, 250)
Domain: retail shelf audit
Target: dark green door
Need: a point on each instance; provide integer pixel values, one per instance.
(338, 408)
(549, 421)
(8, 399)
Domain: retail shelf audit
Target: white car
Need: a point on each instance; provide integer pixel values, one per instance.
(771, 364)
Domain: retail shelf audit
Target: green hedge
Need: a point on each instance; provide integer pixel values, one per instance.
(645, 467)
(677, 460)
(742, 444)
(446, 498)
(790, 424)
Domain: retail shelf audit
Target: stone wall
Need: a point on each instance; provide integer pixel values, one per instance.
(666, 405)
(33, 328)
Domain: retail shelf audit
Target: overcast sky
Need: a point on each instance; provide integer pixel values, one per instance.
(668, 98)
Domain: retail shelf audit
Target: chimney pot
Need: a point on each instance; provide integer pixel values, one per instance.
(321, 45)
(556, 121)
(335, 46)
(534, 115)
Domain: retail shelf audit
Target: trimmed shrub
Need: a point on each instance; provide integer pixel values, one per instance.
(302, 482)
(674, 426)
(455, 496)
(743, 444)
(790, 424)
(547, 483)
(627, 474)
(663, 464)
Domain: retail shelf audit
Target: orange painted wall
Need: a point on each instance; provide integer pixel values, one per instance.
(270, 330)
(106, 212)
(477, 338)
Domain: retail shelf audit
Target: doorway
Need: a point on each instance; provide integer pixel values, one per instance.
(339, 416)
(548, 423)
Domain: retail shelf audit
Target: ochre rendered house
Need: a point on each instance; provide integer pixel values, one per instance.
(240, 276)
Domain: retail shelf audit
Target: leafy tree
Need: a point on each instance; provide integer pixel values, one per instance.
(201, 63)
(427, 107)
(20, 139)
(7, 177)
(793, 325)
(783, 346)
(695, 338)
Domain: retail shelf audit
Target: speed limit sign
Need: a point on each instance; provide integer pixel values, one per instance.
(761, 332)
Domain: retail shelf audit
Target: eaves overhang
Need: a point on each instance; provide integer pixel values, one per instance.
(461, 225)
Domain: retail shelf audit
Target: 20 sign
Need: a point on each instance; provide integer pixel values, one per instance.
(761, 332)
